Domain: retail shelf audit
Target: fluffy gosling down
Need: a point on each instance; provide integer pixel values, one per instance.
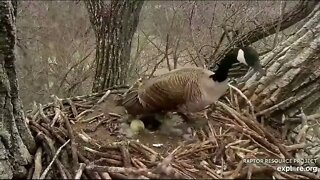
(188, 90)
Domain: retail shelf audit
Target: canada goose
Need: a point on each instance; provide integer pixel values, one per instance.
(188, 89)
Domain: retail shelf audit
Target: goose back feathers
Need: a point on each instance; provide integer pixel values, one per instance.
(187, 89)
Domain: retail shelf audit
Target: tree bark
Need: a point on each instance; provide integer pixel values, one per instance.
(299, 12)
(293, 74)
(114, 25)
(16, 140)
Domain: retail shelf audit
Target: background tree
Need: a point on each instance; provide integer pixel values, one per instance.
(55, 50)
(293, 73)
(284, 21)
(114, 24)
(15, 138)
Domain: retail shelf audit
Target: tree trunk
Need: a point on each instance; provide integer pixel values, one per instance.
(16, 140)
(114, 25)
(293, 74)
(299, 12)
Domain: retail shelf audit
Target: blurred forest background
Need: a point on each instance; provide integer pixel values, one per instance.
(56, 44)
(70, 48)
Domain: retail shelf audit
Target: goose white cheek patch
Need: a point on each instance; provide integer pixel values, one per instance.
(241, 58)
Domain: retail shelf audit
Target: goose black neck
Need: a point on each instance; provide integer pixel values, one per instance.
(221, 74)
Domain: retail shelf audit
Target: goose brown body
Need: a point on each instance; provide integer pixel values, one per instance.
(188, 89)
(184, 90)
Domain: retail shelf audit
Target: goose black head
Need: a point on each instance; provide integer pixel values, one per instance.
(250, 57)
(245, 55)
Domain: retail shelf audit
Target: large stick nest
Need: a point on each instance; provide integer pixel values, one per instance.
(77, 138)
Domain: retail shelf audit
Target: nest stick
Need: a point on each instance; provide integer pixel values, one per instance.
(44, 117)
(55, 134)
(135, 84)
(244, 97)
(35, 116)
(106, 175)
(255, 170)
(83, 113)
(63, 171)
(92, 174)
(30, 172)
(138, 163)
(106, 155)
(43, 175)
(294, 147)
(57, 111)
(44, 130)
(105, 161)
(145, 147)
(37, 164)
(80, 171)
(125, 156)
(61, 140)
(146, 153)
(73, 107)
(111, 169)
(92, 118)
(56, 116)
(118, 176)
(50, 149)
(73, 143)
(104, 97)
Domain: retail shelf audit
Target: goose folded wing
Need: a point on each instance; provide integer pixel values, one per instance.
(162, 94)
(192, 96)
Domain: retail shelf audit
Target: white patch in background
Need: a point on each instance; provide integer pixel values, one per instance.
(240, 57)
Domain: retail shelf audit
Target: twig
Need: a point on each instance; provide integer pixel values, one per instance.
(244, 97)
(79, 171)
(144, 150)
(106, 175)
(48, 146)
(111, 169)
(108, 161)
(276, 106)
(125, 156)
(138, 164)
(204, 164)
(73, 107)
(94, 128)
(73, 143)
(104, 97)
(30, 172)
(53, 159)
(114, 114)
(83, 113)
(92, 118)
(86, 105)
(85, 137)
(65, 174)
(57, 111)
(37, 164)
(277, 175)
(249, 173)
(45, 118)
(237, 170)
(134, 85)
(36, 125)
(106, 155)
(296, 146)
(118, 176)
